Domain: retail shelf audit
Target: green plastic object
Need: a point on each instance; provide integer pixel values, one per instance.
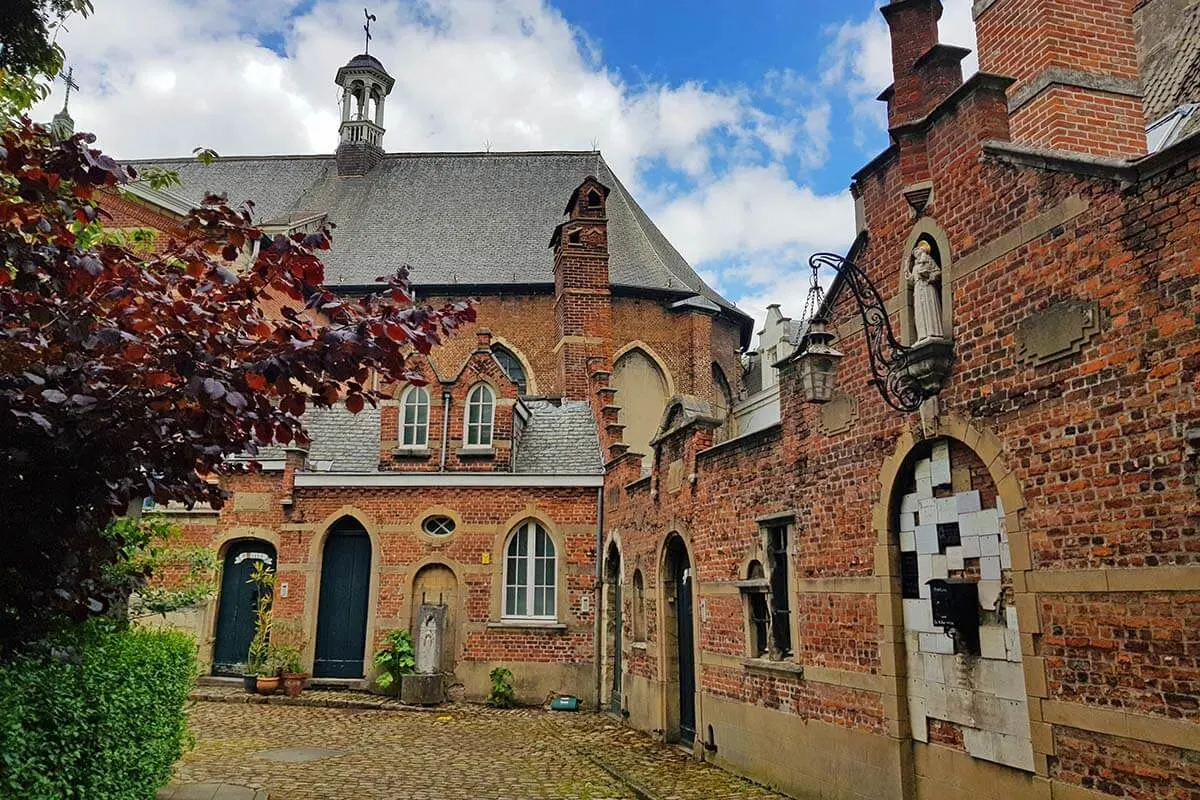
(565, 702)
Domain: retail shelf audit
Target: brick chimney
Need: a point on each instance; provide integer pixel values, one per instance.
(924, 72)
(1076, 69)
(582, 297)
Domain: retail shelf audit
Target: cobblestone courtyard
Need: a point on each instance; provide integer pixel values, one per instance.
(319, 753)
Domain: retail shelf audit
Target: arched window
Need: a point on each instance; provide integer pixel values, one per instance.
(642, 395)
(511, 365)
(415, 424)
(639, 607)
(481, 409)
(530, 569)
(723, 404)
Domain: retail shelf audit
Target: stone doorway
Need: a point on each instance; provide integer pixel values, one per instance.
(436, 584)
(614, 626)
(679, 650)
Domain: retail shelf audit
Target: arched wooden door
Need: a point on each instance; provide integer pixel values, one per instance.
(236, 604)
(342, 610)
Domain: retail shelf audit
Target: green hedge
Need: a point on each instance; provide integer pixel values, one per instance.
(101, 718)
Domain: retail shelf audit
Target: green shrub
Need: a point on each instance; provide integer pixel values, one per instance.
(502, 694)
(396, 659)
(99, 716)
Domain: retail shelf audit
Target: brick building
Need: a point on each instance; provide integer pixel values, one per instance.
(781, 600)
(481, 490)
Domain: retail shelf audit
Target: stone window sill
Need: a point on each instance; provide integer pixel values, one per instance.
(412, 452)
(529, 624)
(476, 452)
(765, 665)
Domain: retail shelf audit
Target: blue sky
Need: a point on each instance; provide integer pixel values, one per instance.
(736, 124)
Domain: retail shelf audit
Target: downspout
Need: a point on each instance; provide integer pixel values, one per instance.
(599, 584)
(445, 428)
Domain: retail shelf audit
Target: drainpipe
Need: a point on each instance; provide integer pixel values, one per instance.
(445, 428)
(598, 606)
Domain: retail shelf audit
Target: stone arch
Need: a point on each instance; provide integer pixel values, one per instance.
(208, 619)
(999, 667)
(678, 628)
(642, 393)
(439, 581)
(927, 229)
(316, 560)
(531, 383)
(613, 615)
(504, 534)
(723, 405)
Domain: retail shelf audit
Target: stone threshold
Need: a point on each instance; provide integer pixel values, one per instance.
(311, 698)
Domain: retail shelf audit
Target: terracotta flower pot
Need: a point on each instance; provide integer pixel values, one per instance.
(268, 684)
(293, 683)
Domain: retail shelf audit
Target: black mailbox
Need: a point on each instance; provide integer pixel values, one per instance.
(955, 606)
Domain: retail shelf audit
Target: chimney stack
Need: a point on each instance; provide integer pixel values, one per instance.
(924, 72)
(1076, 69)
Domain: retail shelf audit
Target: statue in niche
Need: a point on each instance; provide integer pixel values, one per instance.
(925, 276)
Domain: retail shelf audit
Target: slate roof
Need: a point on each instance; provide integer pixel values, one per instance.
(341, 441)
(1169, 54)
(465, 218)
(559, 440)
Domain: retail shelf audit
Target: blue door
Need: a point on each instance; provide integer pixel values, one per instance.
(342, 611)
(235, 606)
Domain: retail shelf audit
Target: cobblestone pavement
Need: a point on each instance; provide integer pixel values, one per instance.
(462, 752)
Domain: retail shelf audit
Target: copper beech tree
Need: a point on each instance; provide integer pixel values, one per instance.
(125, 376)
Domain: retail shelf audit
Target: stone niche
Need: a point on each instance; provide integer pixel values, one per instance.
(961, 694)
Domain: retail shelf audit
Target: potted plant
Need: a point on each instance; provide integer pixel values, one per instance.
(287, 657)
(262, 577)
(396, 659)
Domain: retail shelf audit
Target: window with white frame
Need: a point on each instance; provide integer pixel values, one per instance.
(530, 569)
(415, 425)
(481, 409)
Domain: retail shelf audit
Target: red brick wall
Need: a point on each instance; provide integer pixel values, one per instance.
(1095, 440)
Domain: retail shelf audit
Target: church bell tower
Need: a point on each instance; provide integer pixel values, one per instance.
(365, 85)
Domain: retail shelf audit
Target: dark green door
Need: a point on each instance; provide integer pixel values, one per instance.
(235, 606)
(686, 639)
(342, 612)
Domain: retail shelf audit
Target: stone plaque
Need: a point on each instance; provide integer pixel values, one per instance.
(1058, 331)
(251, 501)
(839, 414)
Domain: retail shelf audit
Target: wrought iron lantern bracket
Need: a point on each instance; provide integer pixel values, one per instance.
(892, 364)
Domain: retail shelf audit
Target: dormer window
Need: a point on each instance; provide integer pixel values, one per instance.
(481, 410)
(593, 199)
(511, 365)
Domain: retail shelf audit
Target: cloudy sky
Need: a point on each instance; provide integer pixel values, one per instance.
(736, 123)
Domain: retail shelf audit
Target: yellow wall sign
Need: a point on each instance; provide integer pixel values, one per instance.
(486, 558)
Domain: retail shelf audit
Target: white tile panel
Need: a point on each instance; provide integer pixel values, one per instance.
(908, 541)
(947, 509)
(970, 547)
(954, 558)
(968, 502)
(989, 545)
(989, 568)
(927, 541)
(989, 593)
(908, 520)
(908, 503)
(938, 568)
(991, 642)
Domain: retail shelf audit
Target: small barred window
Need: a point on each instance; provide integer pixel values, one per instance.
(438, 525)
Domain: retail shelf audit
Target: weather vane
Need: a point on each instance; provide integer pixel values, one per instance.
(370, 18)
(69, 80)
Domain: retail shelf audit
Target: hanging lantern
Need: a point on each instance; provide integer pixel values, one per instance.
(817, 364)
